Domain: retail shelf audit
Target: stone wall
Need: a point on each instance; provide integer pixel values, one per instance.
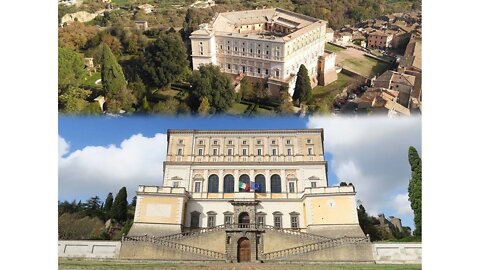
(274, 241)
(212, 241)
(89, 249)
(151, 251)
(359, 253)
(397, 253)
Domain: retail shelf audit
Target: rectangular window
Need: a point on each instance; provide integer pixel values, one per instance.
(274, 152)
(230, 152)
(180, 141)
(244, 142)
(289, 151)
(175, 184)
(179, 152)
(200, 142)
(288, 141)
(197, 187)
(310, 151)
(259, 142)
(314, 184)
(259, 71)
(266, 71)
(228, 219)
(215, 142)
(260, 220)
(259, 152)
(215, 152)
(294, 220)
(200, 151)
(277, 221)
(244, 151)
(291, 187)
(274, 142)
(211, 221)
(230, 142)
(309, 140)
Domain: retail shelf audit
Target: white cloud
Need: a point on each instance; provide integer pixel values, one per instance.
(371, 153)
(63, 147)
(97, 170)
(402, 205)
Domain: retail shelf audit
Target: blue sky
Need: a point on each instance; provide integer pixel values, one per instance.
(98, 155)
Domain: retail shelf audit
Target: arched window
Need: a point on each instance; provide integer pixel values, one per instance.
(194, 219)
(276, 183)
(260, 182)
(228, 184)
(213, 183)
(244, 183)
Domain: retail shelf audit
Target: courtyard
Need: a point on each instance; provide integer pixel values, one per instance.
(64, 264)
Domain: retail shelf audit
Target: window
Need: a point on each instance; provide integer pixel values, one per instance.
(200, 142)
(274, 152)
(244, 151)
(260, 183)
(215, 151)
(194, 219)
(200, 151)
(277, 221)
(228, 219)
(289, 151)
(197, 187)
(314, 184)
(244, 183)
(259, 151)
(244, 142)
(215, 142)
(228, 184)
(294, 221)
(259, 71)
(291, 187)
(213, 183)
(274, 142)
(179, 152)
(259, 142)
(230, 142)
(180, 141)
(310, 151)
(276, 183)
(288, 142)
(230, 151)
(309, 140)
(260, 220)
(175, 184)
(228, 66)
(211, 220)
(266, 71)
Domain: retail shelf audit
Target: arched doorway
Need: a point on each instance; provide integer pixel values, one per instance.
(243, 250)
(243, 220)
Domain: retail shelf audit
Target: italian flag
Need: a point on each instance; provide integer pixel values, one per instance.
(244, 186)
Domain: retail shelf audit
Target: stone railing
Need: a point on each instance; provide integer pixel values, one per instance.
(180, 247)
(243, 226)
(298, 233)
(315, 246)
(192, 233)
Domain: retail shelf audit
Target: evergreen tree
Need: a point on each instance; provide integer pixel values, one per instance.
(246, 89)
(204, 107)
(303, 89)
(71, 69)
(108, 203)
(113, 79)
(120, 206)
(165, 59)
(415, 189)
(134, 201)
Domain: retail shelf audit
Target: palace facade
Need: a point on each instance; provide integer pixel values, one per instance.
(266, 44)
(239, 193)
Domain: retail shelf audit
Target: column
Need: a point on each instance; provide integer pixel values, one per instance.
(235, 183)
(220, 181)
(267, 181)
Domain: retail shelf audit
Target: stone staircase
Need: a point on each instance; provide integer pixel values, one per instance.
(321, 245)
(297, 233)
(194, 233)
(161, 241)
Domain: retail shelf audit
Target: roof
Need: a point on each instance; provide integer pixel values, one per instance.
(383, 98)
(413, 55)
(390, 77)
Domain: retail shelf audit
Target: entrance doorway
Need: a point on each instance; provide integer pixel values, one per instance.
(243, 250)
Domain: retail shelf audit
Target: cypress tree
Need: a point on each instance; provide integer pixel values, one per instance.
(113, 79)
(108, 203)
(120, 206)
(415, 189)
(303, 88)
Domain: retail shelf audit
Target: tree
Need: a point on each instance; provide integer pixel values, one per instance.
(367, 224)
(120, 206)
(108, 203)
(93, 203)
(211, 83)
(303, 89)
(286, 105)
(415, 188)
(169, 106)
(246, 89)
(76, 35)
(204, 107)
(113, 79)
(71, 69)
(165, 59)
(72, 100)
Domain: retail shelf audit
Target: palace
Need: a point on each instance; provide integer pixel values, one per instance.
(246, 195)
(266, 44)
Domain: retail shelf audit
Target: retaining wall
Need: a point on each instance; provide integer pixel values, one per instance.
(89, 249)
(398, 253)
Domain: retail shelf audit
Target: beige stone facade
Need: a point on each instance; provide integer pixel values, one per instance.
(265, 43)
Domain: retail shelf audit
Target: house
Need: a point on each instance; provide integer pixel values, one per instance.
(142, 25)
(379, 40)
(147, 8)
(329, 34)
(401, 82)
(381, 101)
(343, 38)
(411, 64)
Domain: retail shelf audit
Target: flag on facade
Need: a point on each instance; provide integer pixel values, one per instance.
(244, 186)
(256, 186)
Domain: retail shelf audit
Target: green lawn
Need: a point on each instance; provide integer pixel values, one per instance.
(90, 80)
(333, 48)
(132, 265)
(366, 66)
(237, 108)
(324, 95)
